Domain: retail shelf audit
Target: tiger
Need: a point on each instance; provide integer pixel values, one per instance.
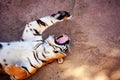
(21, 59)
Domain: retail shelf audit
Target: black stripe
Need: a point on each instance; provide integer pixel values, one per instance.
(41, 22)
(30, 29)
(45, 50)
(26, 69)
(55, 46)
(43, 61)
(8, 44)
(51, 45)
(55, 51)
(60, 17)
(35, 56)
(30, 63)
(36, 32)
(58, 47)
(1, 46)
(39, 40)
(43, 55)
(39, 58)
(52, 22)
(53, 15)
(0, 65)
(22, 39)
(37, 45)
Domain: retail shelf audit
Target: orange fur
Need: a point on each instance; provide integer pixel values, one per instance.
(16, 71)
(65, 18)
(59, 55)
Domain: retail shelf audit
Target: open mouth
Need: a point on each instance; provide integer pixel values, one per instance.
(62, 40)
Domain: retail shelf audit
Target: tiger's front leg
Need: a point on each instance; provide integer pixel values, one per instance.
(17, 72)
(33, 30)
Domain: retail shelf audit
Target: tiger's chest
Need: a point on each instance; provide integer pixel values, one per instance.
(17, 53)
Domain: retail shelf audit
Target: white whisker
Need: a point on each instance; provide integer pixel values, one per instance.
(69, 49)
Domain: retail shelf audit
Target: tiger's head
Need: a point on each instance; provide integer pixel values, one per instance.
(62, 15)
(59, 44)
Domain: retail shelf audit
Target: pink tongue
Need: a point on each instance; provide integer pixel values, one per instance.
(62, 39)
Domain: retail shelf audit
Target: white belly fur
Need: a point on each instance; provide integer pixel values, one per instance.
(15, 51)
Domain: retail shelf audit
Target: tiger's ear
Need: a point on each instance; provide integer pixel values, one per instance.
(60, 61)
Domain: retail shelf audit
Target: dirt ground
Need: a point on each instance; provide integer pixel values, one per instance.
(94, 30)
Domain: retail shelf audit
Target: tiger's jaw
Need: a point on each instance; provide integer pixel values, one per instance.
(63, 42)
(60, 44)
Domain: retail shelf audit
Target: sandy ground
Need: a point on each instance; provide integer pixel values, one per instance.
(94, 31)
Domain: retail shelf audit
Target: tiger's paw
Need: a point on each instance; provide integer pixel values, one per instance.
(16, 72)
(62, 15)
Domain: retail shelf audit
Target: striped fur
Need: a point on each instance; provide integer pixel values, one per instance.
(33, 30)
(21, 59)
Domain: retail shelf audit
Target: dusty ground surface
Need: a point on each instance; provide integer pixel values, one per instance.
(94, 30)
